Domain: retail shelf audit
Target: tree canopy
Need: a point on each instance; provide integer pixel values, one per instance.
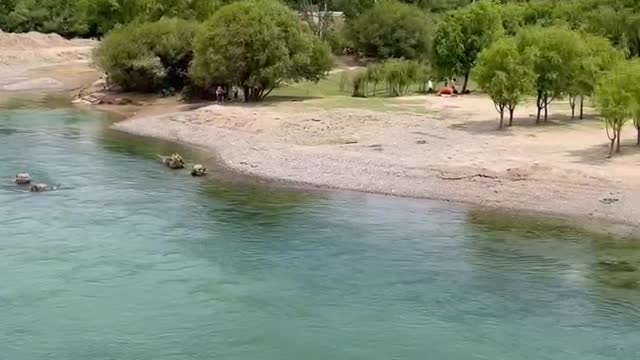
(257, 45)
(148, 56)
(391, 29)
(557, 63)
(463, 35)
(616, 100)
(505, 74)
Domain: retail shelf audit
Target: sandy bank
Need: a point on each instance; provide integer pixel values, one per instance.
(453, 154)
(44, 62)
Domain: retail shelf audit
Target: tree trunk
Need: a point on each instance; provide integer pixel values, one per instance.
(511, 116)
(572, 103)
(618, 139)
(581, 107)
(539, 105)
(466, 82)
(546, 110)
(613, 142)
(501, 117)
(638, 140)
(246, 92)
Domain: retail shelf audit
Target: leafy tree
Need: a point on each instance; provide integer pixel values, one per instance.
(353, 8)
(463, 35)
(66, 17)
(391, 29)
(399, 75)
(633, 84)
(505, 74)
(557, 63)
(104, 15)
(513, 17)
(257, 45)
(616, 101)
(424, 74)
(600, 57)
(375, 75)
(148, 56)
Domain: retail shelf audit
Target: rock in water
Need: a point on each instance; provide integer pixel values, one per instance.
(199, 170)
(174, 161)
(617, 265)
(23, 179)
(39, 188)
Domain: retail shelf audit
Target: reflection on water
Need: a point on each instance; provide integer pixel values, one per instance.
(135, 261)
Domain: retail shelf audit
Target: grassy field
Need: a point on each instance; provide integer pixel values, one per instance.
(335, 92)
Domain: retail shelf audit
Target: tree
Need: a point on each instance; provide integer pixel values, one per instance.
(148, 57)
(600, 57)
(557, 62)
(505, 74)
(257, 45)
(616, 101)
(633, 83)
(399, 75)
(463, 35)
(375, 75)
(391, 29)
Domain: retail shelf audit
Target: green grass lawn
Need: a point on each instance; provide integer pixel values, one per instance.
(329, 94)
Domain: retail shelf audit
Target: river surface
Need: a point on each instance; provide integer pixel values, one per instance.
(129, 260)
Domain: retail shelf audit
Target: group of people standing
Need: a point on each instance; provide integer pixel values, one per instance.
(221, 94)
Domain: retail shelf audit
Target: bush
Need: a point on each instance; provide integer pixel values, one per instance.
(398, 75)
(257, 45)
(391, 29)
(148, 57)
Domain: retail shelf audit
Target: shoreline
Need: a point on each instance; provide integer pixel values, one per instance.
(324, 168)
(426, 147)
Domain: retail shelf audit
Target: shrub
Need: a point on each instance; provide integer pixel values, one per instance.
(398, 75)
(391, 29)
(257, 45)
(148, 57)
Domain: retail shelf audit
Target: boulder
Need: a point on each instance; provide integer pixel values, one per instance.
(174, 161)
(617, 265)
(199, 170)
(23, 179)
(39, 188)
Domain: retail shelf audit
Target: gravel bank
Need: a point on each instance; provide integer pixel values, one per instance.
(409, 155)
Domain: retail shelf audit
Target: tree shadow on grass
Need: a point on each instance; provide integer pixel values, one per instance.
(598, 154)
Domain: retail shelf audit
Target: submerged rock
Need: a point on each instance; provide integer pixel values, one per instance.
(23, 179)
(199, 170)
(174, 161)
(617, 265)
(39, 188)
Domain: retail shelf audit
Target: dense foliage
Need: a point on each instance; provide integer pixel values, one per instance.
(95, 17)
(396, 75)
(463, 35)
(149, 56)
(616, 99)
(559, 52)
(257, 45)
(506, 75)
(391, 29)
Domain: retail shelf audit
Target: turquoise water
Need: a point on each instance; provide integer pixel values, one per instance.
(129, 260)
